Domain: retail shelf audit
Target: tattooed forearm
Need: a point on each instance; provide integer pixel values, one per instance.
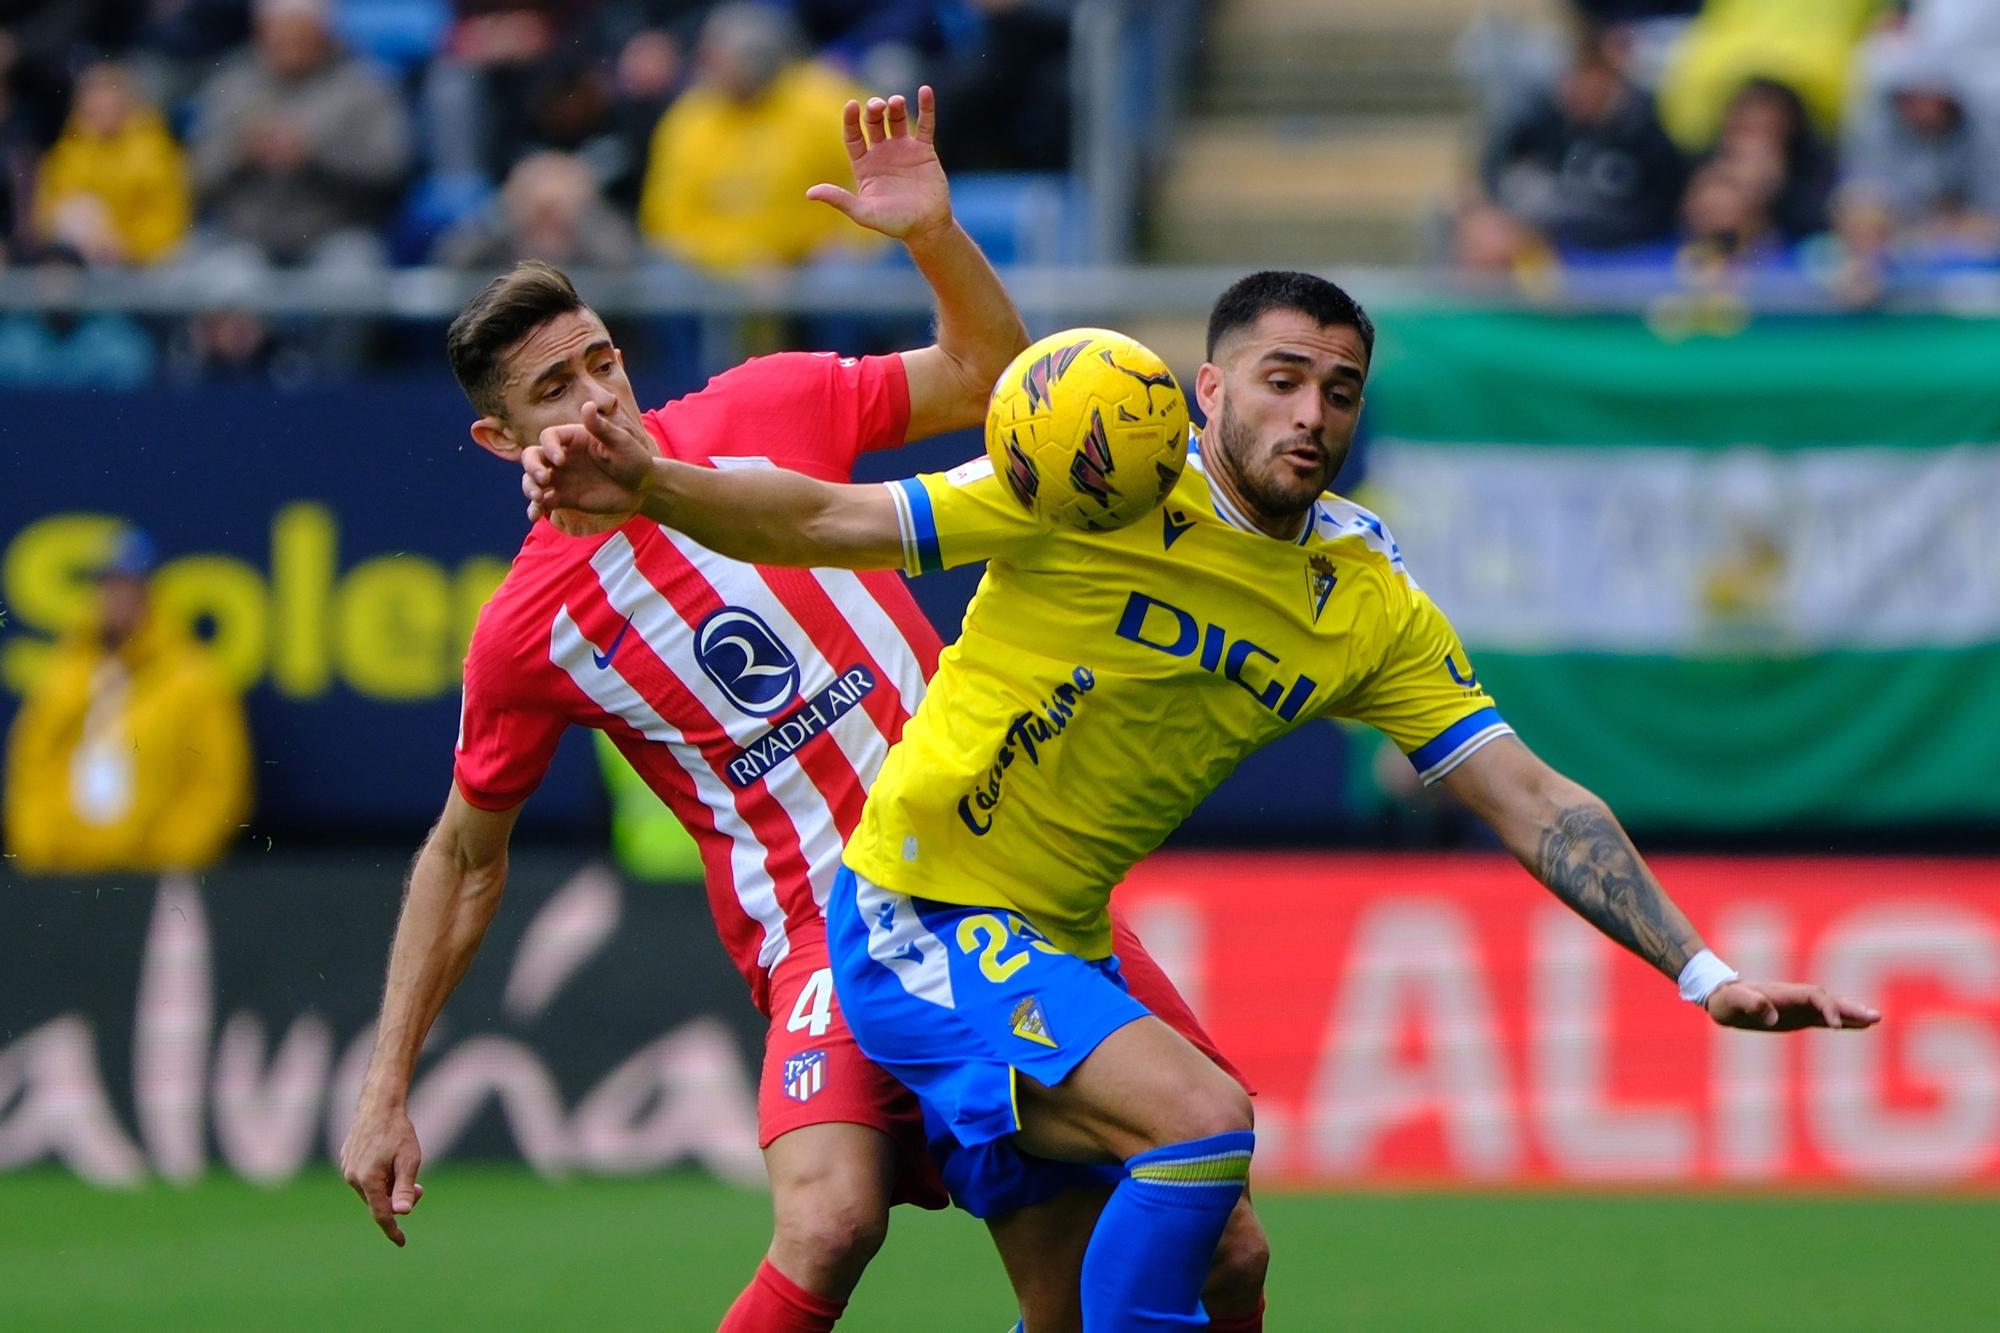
(1588, 862)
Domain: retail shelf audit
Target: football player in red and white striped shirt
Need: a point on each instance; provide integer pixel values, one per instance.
(758, 702)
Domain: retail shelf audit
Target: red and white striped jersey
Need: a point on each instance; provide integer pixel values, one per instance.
(757, 702)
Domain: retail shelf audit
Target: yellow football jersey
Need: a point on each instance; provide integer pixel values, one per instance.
(1104, 684)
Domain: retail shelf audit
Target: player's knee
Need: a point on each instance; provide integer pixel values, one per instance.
(1242, 1258)
(832, 1234)
(1219, 1106)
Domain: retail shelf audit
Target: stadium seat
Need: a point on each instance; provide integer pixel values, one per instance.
(402, 34)
(431, 207)
(1017, 217)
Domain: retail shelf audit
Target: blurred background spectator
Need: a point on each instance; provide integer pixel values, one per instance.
(299, 149)
(130, 752)
(506, 67)
(1921, 177)
(650, 66)
(1582, 166)
(1726, 217)
(114, 188)
(735, 154)
(1769, 143)
(298, 146)
(550, 209)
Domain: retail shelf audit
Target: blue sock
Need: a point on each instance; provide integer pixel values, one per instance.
(1149, 1254)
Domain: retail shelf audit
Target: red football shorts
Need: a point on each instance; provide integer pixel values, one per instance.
(814, 1074)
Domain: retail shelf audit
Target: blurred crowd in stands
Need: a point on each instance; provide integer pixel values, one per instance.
(1845, 144)
(232, 138)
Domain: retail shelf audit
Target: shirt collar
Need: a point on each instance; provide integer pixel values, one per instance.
(1234, 516)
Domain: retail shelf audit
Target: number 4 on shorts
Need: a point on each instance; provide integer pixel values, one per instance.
(814, 1010)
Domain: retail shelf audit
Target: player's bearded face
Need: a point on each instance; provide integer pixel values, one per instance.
(1286, 403)
(1279, 469)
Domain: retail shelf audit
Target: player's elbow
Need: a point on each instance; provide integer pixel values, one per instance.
(1557, 797)
(962, 404)
(979, 369)
(475, 865)
(1523, 788)
(1519, 796)
(1000, 349)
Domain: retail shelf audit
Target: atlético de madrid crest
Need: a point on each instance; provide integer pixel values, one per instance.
(804, 1075)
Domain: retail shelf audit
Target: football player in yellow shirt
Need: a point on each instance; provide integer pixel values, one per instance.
(1103, 685)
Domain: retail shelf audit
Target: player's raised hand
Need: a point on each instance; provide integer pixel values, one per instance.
(899, 185)
(596, 467)
(1784, 1006)
(380, 1160)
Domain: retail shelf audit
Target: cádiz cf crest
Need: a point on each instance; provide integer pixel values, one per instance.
(1031, 1024)
(1320, 579)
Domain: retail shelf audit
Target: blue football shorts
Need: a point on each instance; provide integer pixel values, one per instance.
(956, 1002)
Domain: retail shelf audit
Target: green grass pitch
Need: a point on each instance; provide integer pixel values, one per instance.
(495, 1248)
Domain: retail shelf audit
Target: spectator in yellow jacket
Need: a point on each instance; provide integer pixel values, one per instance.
(114, 188)
(1806, 45)
(130, 752)
(732, 158)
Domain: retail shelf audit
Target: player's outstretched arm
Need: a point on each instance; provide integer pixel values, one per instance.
(900, 191)
(454, 891)
(767, 516)
(1572, 842)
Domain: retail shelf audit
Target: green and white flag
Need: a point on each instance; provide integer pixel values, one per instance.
(1731, 583)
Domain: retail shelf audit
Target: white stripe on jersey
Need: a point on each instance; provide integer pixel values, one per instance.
(859, 739)
(755, 889)
(879, 634)
(671, 639)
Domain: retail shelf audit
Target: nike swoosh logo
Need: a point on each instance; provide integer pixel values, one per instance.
(603, 659)
(1173, 530)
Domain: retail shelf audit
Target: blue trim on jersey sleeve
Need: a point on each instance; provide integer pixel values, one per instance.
(1434, 752)
(923, 526)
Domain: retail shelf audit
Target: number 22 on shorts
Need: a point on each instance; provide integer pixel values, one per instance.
(987, 935)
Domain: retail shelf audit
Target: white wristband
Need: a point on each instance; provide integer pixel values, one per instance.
(1702, 974)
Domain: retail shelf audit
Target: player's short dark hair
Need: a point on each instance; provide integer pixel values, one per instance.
(1250, 299)
(505, 311)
